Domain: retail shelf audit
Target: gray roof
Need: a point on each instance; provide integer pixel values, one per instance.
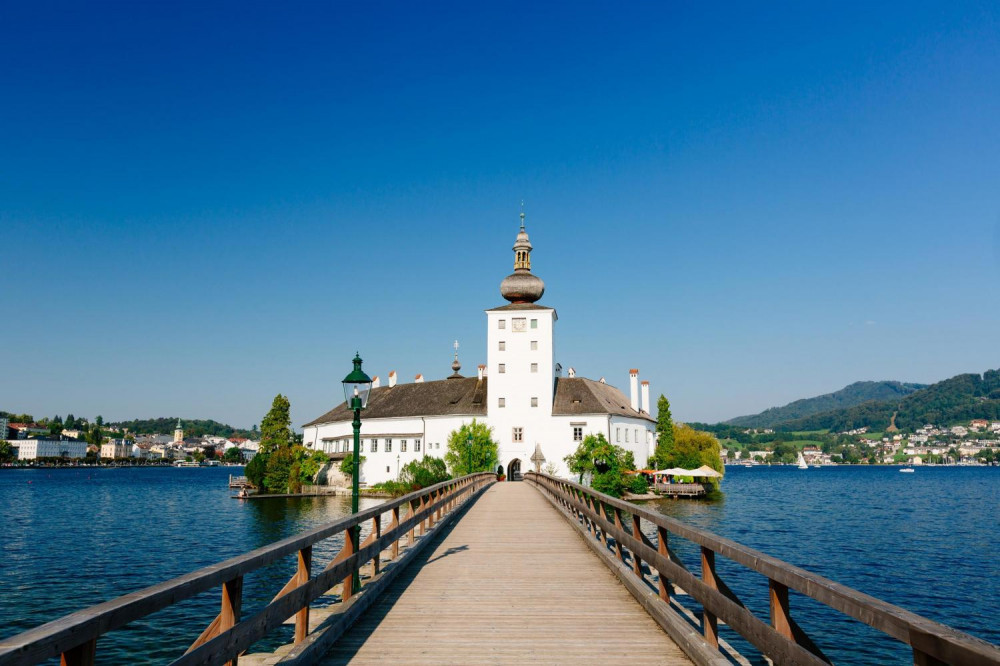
(452, 396)
(577, 395)
(520, 306)
(467, 397)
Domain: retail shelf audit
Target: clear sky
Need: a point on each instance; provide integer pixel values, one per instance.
(205, 204)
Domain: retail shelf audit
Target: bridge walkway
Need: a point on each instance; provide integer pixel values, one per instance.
(511, 582)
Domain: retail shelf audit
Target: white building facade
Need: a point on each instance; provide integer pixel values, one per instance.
(32, 449)
(520, 393)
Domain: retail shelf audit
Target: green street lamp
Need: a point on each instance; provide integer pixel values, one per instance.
(357, 387)
(468, 446)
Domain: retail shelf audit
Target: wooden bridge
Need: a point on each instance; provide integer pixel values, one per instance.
(472, 571)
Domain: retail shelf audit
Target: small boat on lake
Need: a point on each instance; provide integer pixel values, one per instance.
(802, 462)
(907, 469)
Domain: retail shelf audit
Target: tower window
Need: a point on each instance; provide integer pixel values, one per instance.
(502, 324)
(534, 323)
(502, 368)
(534, 345)
(534, 402)
(518, 434)
(534, 367)
(503, 346)
(501, 402)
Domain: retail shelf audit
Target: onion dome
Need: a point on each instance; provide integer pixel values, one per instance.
(522, 286)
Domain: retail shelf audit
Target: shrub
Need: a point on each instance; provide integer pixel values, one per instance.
(638, 485)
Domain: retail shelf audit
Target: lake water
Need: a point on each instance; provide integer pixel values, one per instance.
(926, 541)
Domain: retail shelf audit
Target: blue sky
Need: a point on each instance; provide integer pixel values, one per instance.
(203, 205)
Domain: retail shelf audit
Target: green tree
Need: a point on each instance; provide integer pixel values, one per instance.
(55, 426)
(99, 421)
(256, 470)
(347, 464)
(6, 451)
(581, 461)
(310, 463)
(70, 422)
(279, 468)
(694, 448)
(664, 433)
(424, 473)
(275, 430)
(485, 453)
(233, 455)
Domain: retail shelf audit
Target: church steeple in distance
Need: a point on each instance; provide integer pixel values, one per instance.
(522, 286)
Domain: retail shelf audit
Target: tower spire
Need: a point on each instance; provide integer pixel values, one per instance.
(455, 365)
(521, 286)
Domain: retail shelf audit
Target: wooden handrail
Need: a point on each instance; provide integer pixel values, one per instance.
(73, 636)
(782, 639)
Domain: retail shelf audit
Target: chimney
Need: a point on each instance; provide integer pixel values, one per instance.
(482, 371)
(376, 382)
(419, 379)
(392, 378)
(633, 386)
(571, 372)
(645, 397)
(558, 369)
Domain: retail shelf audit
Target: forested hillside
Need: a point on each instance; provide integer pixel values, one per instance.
(849, 396)
(952, 401)
(192, 427)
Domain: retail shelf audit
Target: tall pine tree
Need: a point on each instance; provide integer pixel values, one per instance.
(664, 432)
(275, 431)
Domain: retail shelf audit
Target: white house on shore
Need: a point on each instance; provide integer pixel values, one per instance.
(520, 393)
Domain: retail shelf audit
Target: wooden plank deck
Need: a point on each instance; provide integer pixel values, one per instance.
(510, 582)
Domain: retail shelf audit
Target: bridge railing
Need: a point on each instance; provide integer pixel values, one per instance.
(73, 638)
(619, 527)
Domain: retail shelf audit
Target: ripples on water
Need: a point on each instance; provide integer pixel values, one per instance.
(926, 541)
(72, 538)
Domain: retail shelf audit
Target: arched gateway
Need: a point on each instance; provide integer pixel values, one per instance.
(514, 470)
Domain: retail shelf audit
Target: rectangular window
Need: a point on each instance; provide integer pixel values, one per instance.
(618, 434)
(502, 323)
(374, 446)
(534, 323)
(626, 435)
(438, 445)
(534, 345)
(534, 402)
(501, 402)
(534, 367)
(416, 445)
(503, 346)
(577, 433)
(518, 434)
(388, 446)
(502, 368)
(402, 446)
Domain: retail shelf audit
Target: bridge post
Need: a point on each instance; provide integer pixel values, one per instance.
(377, 531)
(637, 535)
(302, 617)
(618, 524)
(232, 601)
(709, 621)
(395, 524)
(663, 547)
(81, 655)
(781, 618)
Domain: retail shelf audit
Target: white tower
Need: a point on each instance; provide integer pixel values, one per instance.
(521, 361)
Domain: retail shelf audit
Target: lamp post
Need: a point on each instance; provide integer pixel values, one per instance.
(357, 387)
(468, 446)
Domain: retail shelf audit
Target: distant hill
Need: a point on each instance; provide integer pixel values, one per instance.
(192, 427)
(849, 396)
(949, 402)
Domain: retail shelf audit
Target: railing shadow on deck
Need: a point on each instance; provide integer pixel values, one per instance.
(603, 520)
(73, 638)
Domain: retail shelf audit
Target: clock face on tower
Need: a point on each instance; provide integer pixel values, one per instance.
(519, 324)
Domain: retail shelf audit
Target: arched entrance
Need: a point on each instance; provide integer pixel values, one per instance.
(514, 470)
